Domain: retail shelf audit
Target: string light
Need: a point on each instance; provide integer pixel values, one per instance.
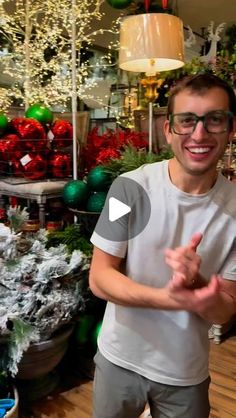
(39, 43)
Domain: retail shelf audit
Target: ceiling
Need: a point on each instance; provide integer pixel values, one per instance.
(199, 13)
(195, 13)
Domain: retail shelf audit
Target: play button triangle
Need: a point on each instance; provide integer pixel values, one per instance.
(117, 209)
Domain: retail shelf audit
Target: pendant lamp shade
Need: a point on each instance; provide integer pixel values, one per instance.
(151, 42)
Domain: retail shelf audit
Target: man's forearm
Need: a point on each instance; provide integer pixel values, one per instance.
(222, 311)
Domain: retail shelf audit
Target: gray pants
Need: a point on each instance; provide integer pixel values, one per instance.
(121, 393)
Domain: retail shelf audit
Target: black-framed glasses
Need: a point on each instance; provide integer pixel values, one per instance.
(215, 122)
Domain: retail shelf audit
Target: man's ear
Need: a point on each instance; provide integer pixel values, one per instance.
(167, 131)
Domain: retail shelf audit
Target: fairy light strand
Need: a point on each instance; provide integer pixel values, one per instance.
(39, 42)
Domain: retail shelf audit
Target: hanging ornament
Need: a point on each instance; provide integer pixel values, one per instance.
(34, 167)
(164, 4)
(31, 132)
(60, 164)
(40, 112)
(96, 202)
(75, 193)
(3, 123)
(62, 134)
(119, 4)
(147, 5)
(99, 179)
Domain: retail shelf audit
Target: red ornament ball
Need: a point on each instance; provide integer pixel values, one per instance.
(9, 145)
(62, 131)
(34, 167)
(31, 132)
(40, 112)
(60, 165)
(16, 168)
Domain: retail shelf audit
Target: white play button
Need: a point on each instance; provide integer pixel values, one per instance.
(126, 211)
(117, 209)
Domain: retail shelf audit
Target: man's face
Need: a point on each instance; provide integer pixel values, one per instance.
(199, 151)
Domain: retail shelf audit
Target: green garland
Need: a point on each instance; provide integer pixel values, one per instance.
(72, 237)
(131, 158)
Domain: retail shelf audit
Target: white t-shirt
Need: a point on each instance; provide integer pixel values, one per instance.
(169, 347)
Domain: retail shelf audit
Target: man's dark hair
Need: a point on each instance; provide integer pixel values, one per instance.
(198, 84)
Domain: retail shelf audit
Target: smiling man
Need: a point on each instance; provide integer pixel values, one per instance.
(167, 283)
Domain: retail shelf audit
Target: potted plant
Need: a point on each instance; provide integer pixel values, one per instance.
(41, 295)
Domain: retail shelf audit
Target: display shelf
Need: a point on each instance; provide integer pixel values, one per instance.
(38, 191)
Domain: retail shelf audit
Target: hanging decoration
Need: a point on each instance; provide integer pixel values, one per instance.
(147, 5)
(165, 4)
(119, 4)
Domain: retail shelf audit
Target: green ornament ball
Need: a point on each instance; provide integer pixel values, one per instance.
(3, 123)
(75, 193)
(119, 4)
(99, 179)
(96, 201)
(40, 112)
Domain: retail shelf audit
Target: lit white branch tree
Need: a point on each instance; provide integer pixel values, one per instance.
(40, 38)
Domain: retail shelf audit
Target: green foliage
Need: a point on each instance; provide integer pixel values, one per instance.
(224, 66)
(17, 218)
(21, 336)
(72, 237)
(230, 44)
(131, 158)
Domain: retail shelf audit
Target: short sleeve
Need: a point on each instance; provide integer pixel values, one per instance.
(228, 271)
(117, 249)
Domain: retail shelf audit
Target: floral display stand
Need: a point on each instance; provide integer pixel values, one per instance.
(39, 192)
